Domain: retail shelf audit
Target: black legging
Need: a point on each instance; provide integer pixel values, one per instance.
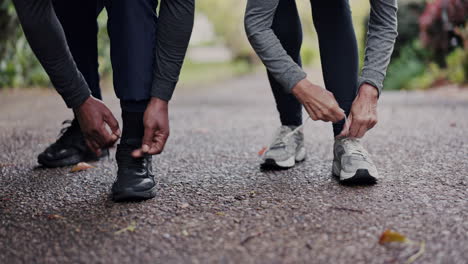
(338, 52)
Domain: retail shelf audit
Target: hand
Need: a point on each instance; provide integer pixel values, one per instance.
(318, 102)
(156, 123)
(93, 115)
(363, 114)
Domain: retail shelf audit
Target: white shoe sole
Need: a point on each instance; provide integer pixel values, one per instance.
(288, 163)
(360, 176)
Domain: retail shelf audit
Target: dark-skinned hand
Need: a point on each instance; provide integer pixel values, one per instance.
(156, 122)
(94, 118)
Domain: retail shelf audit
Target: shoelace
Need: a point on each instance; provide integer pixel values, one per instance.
(280, 140)
(354, 146)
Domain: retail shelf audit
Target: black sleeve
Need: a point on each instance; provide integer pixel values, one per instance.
(47, 40)
(172, 38)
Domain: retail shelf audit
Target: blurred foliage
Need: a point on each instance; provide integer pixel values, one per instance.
(431, 47)
(437, 26)
(413, 66)
(18, 65)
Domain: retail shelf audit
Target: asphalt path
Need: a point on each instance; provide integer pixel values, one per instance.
(215, 205)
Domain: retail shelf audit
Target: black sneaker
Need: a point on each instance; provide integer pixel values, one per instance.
(135, 178)
(69, 149)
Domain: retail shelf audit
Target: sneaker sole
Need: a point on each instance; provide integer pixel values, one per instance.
(69, 161)
(359, 177)
(131, 196)
(286, 164)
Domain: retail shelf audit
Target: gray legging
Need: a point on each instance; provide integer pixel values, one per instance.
(338, 52)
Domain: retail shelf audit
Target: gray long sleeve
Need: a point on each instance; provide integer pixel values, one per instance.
(175, 25)
(258, 21)
(381, 38)
(47, 40)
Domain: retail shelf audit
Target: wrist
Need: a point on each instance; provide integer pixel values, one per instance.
(300, 88)
(84, 103)
(158, 103)
(369, 91)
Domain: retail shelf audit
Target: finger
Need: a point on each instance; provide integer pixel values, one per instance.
(362, 131)
(138, 153)
(147, 139)
(338, 114)
(106, 139)
(311, 113)
(159, 141)
(94, 146)
(345, 131)
(372, 124)
(354, 128)
(113, 124)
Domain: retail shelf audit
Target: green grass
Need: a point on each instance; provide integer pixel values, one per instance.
(203, 73)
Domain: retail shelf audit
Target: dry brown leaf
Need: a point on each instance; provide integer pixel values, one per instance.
(262, 151)
(389, 236)
(81, 167)
(392, 236)
(54, 216)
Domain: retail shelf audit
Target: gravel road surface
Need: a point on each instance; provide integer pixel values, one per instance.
(216, 206)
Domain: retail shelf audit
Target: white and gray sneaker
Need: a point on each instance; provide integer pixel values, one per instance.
(286, 149)
(352, 163)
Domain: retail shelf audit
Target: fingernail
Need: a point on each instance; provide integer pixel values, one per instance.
(118, 132)
(145, 148)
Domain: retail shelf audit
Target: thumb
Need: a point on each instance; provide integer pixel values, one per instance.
(112, 123)
(346, 126)
(145, 145)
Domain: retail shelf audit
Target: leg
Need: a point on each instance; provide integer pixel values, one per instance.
(133, 41)
(287, 27)
(338, 51)
(132, 32)
(78, 19)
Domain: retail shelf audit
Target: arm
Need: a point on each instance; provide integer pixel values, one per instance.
(175, 25)
(47, 40)
(258, 21)
(379, 47)
(319, 103)
(172, 39)
(381, 38)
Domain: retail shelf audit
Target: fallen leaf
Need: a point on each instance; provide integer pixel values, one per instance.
(130, 228)
(54, 216)
(262, 151)
(81, 167)
(392, 236)
(422, 249)
(185, 233)
(4, 165)
(220, 214)
(389, 236)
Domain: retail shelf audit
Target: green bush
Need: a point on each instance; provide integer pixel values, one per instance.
(410, 64)
(18, 65)
(457, 66)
